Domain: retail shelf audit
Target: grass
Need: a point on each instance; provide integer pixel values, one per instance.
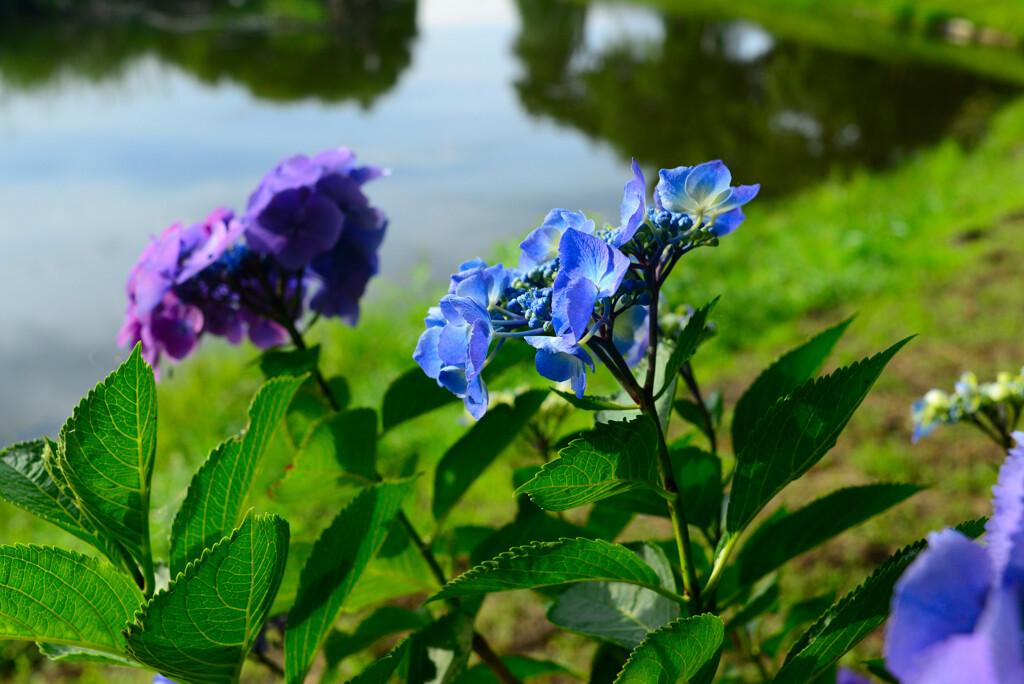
(931, 247)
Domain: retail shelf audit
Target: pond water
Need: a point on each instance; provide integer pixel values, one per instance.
(488, 113)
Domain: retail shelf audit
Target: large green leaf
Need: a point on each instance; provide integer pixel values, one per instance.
(55, 596)
(467, 459)
(855, 616)
(787, 373)
(25, 482)
(612, 458)
(617, 612)
(384, 621)
(216, 497)
(781, 539)
(588, 403)
(531, 524)
(412, 394)
(690, 337)
(338, 559)
(545, 564)
(397, 570)
(338, 453)
(381, 670)
(439, 652)
(698, 475)
(796, 432)
(524, 669)
(106, 455)
(277, 362)
(683, 651)
(201, 628)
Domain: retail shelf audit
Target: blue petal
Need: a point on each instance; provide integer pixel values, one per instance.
(559, 359)
(707, 181)
(426, 352)
(479, 343)
(1004, 532)
(563, 219)
(633, 207)
(453, 379)
(670, 194)
(476, 398)
(578, 299)
(940, 595)
(475, 288)
(583, 256)
(992, 654)
(453, 344)
(727, 222)
(540, 246)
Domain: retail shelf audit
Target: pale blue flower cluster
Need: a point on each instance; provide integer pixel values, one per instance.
(995, 406)
(578, 287)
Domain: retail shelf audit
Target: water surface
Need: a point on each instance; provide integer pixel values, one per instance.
(488, 113)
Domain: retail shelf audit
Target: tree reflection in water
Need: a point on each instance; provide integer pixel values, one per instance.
(357, 52)
(784, 112)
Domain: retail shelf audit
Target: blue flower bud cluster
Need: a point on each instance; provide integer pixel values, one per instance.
(578, 287)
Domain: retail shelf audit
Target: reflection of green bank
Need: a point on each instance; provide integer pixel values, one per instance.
(787, 117)
(357, 54)
(983, 37)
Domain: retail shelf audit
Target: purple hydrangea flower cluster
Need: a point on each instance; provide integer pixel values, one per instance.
(577, 287)
(957, 610)
(309, 237)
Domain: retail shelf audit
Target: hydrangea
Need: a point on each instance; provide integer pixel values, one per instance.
(308, 238)
(580, 292)
(956, 610)
(994, 407)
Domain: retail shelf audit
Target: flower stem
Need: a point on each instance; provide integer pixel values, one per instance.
(691, 382)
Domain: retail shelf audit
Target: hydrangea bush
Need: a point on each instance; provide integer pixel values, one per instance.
(699, 603)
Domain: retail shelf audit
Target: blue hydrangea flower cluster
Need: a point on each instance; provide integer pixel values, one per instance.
(578, 287)
(309, 237)
(957, 610)
(993, 406)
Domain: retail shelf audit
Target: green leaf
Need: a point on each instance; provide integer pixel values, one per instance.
(522, 667)
(63, 653)
(855, 616)
(339, 453)
(847, 622)
(686, 346)
(531, 524)
(679, 652)
(398, 570)
(25, 482)
(467, 459)
(381, 670)
(788, 372)
(593, 403)
(698, 475)
(106, 455)
(620, 613)
(294, 362)
(689, 411)
(545, 564)
(384, 621)
(329, 576)
(612, 458)
(876, 666)
(438, 653)
(309, 405)
(55, 596)
(216, 497)
(796, 432)
(413, 393)
(781, 539)
(201, 628)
